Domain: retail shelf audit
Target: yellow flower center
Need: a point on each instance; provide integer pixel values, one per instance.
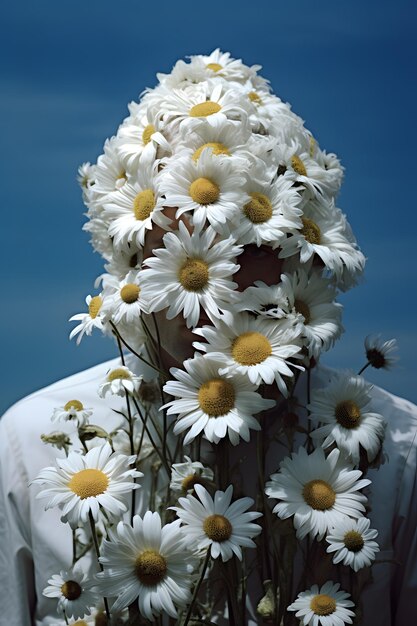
(81, 622)
(258, 209)
(71, 590)
(322, 604)
(148, 131)
(94, 306)
(217, 528)
(298, 166)
(122, 176)
(348, 414)
(204, 191)
(312, 146)
(144, 204)
(319, 495)
(189, 481)
(216, 147)
(130, 293)
(74, 404)
(254, 97)
(194, 274)
(89, 483)
(311, 231)
(216, 397)
(150, 567)
(216, 67)
(204, 109)
(118, 373)
(251, 348)
(353, 541)
(303, 308)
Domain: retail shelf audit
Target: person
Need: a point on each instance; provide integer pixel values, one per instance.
(272, 281)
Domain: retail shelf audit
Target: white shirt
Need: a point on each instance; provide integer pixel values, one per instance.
(34, 544)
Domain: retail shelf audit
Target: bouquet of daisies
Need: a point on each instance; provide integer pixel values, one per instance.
(232, 488)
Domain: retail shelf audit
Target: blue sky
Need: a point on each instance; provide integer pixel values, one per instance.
(69, 70)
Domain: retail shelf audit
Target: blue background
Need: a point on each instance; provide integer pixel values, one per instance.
(69, 70)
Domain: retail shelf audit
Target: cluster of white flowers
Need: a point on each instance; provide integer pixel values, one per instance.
(213, 203)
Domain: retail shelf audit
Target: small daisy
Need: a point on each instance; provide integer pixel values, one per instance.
(88, 321)
(326, 606)
(380, 353)
(258, 349)
(123, 301)
(148, 562)
(213, 404)
(222, 64)
(81, 484)
(133, 209)
(73, 410)
(109, 173)
(352, 542)
(186, 475)
(73, 592)
(189, 274)
(318, 491)
(344, 408)
(120, 381)
(211, 188)
(218, 525)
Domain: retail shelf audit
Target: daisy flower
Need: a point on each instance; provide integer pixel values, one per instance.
(81, 484)
(218, 525)
(325, 232)
(109, 173)
(133, 210)
(73, 592)
(148, 562)
(344, 408)
(122, 299)
(380, 353)
(213, 404)
(222, 64)
(258, 349)
(72, 410)
(317, 490)
(211, 188)
(185, 476)
(326, 606)
(120, 381)
(189, 274)
(271, 212)
(352, 543)
(88, 321)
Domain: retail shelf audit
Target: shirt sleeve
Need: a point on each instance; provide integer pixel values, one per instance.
(17, 586)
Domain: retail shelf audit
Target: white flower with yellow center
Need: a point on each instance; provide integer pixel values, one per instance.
(140, 134)
(344, 408)
(211, 101)
(311, 300)
(72, 589)
(352, 543)
(88, 321)
(123, 300)
(134, 209)
(256, 348)
(120, 381)
(213, 404)
(211, 189)
(110, 172)
(190, 273)
(271, 212)
(218, 524)
(222, 64)
(326, 606)
(73, 410)
(325, 232)
(80, 485)
(227, 139)
(148, 562)
(316, 490)
(184, 476)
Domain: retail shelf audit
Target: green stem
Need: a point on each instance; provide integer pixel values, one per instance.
(97, 550)
(140, 357)
(364, 368)
(197, 588)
